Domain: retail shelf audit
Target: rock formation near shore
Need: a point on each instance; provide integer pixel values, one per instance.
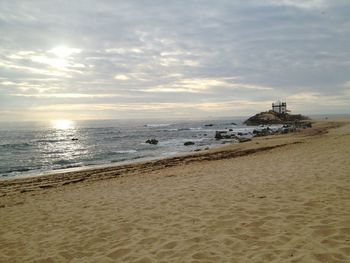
(152, 141)
(271, 117)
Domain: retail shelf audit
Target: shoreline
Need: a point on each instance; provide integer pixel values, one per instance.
(52, 179)
(201, 142)
(280, 198)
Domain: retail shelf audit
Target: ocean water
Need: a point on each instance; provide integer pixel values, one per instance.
(36, 148)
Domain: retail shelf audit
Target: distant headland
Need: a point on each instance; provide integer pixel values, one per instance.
(277, 115)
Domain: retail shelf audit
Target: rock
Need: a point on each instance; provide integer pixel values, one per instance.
(230, 130)
(244, 140)
(74, 139)
(225, 135)
(218, 134)
(208, 125)
(264, 132)
(271, 117)
(152, 141)
(188, 143)
(197, 150)
(233, 123)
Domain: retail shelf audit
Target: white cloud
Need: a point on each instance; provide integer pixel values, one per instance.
(304, 97)
(8, 83)
(204, 106)
(122, 51)
(65, 95)
(200, 85)
(64, 52)
(121, 77)
(303, 4)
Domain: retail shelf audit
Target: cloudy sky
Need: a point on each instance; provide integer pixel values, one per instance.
(172, 59)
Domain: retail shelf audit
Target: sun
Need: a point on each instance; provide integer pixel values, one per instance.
(62, 124)
(64, 52)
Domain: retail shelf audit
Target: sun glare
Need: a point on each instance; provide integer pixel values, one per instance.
(63, 51)
(62, 124)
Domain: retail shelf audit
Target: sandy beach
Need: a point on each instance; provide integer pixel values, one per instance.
(281, 198)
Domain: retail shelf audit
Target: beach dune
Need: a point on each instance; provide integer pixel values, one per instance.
(280, 198)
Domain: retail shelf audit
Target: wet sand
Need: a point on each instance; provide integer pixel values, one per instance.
(282, 198)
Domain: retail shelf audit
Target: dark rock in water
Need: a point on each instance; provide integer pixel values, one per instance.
(239, 134)
(219, 135)
(152, 141)
(206, 148)
(263, 132)
(205, 134)
(74, 139)
(197, 150)
(234, 123)
(244, 140)
(188, 143)
(230, 130)
(271, 117)
(208, 125)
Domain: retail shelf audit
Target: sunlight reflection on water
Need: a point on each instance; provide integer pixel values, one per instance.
(63, 124)
(65, 143)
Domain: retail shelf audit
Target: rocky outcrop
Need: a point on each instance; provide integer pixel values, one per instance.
(188, 143)
(152, 141)
(271, 117)
(219, 135)
(263, 132)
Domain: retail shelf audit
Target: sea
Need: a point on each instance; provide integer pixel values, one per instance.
(36, 148)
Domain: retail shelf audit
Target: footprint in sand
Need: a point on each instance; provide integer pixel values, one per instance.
(170, 245)
(119, 252)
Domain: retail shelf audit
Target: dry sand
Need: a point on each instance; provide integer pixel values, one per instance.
(275, 199)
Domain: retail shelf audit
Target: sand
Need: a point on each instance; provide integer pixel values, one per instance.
(275, 199)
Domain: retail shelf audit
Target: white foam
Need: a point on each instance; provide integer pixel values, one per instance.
(126, 151)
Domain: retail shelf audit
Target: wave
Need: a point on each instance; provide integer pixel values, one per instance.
(18, 169)
(50, 140)
(157, 125)
(126, 159)
(63, 162)
(170, 130)
(183, 129)
(16, 145)
(125, 151)
(73, 165)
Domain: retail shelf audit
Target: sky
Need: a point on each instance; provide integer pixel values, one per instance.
(98, 59)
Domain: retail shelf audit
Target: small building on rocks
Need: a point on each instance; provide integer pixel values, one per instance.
(279, 107)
